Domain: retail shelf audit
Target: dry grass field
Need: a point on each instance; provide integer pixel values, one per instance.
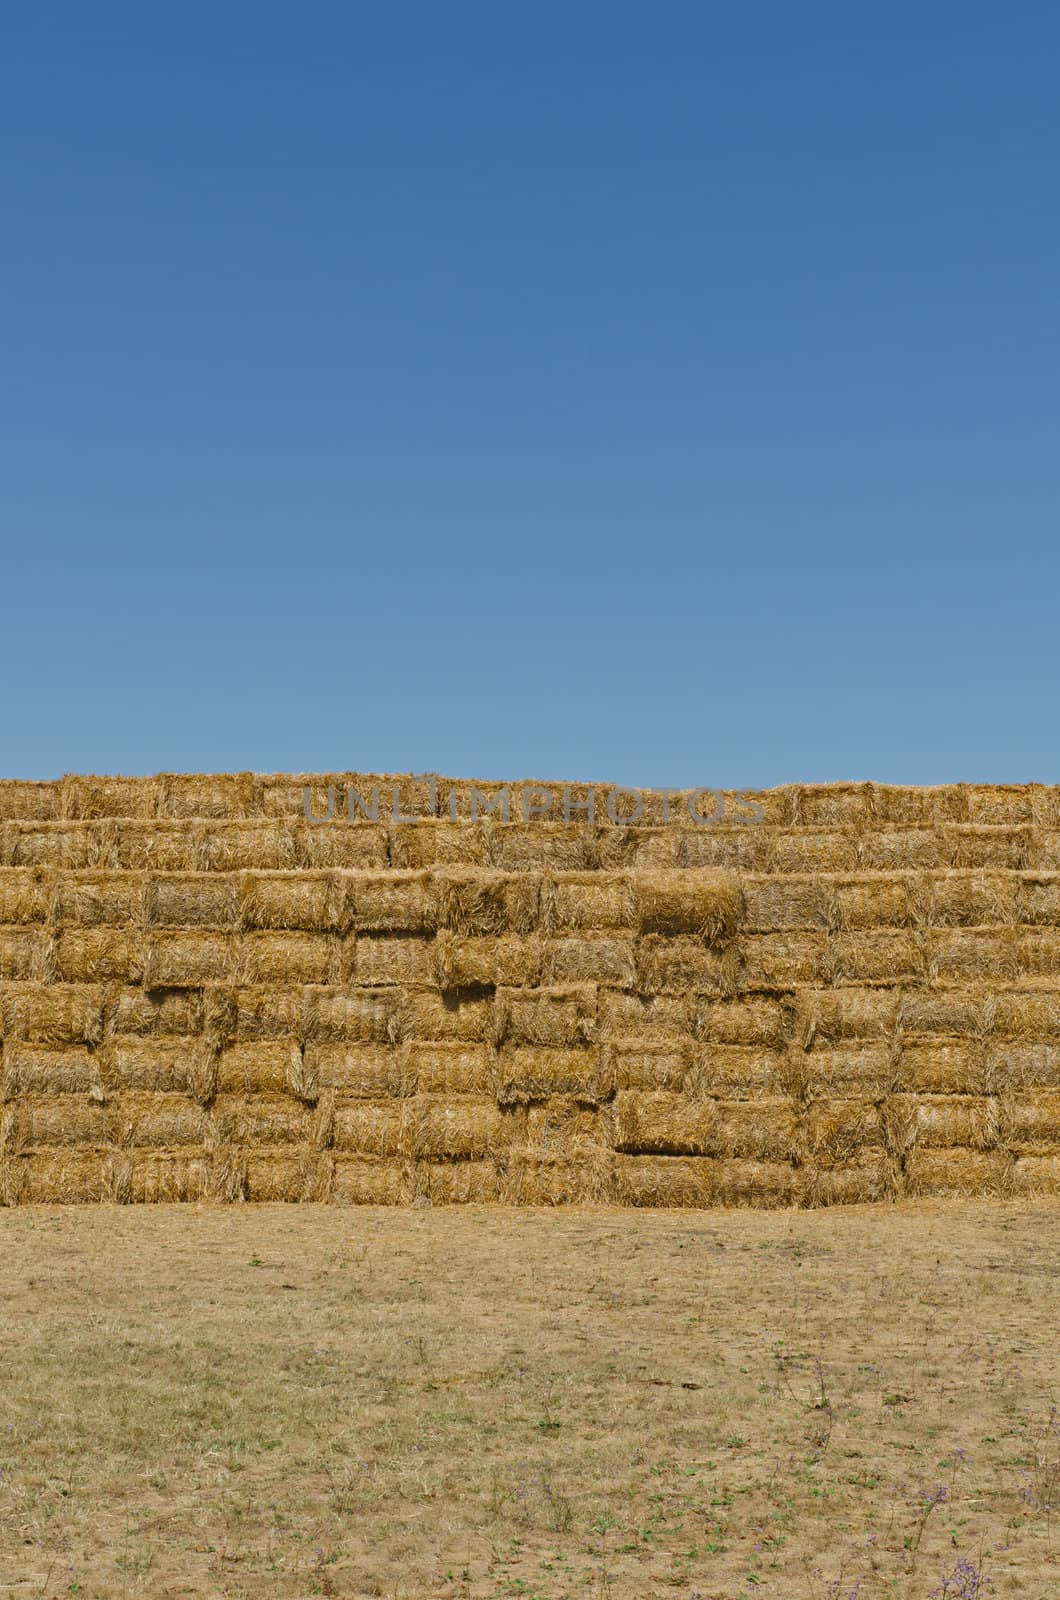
(305, 1400)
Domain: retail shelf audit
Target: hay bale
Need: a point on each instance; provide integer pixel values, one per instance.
(664, 1017)
(907, 849)
(737, 1072)
(163, 1177)
(189, 795)
(180, 1065)
(841, 805)
(1031, 1122)
(259, 1119)
(362, 1015)
(158, 846)
(70, 1177)
(1036, 1175)
(771, 961)
(1038, 953)
(986, 847)
(361, 1071)
(859, 1069)
(960, 955)
(155, 1121)
(948, 1120)
(154, 1011)
(26, 955)
(476, 902)
(1021, 1065)
(265, 1067)
(61, 1119)
(98, 955)
(407, 959)
(430, 843)
(836, 1133)
(655, 1122)
(707, 904)
(561, 1125)
(965, 899)
(451, 1014)
(722, 849)
(192, 900)
(366, 1182)
(596, 957)
(24, 800)
(762, 1130)
(457, 1183)
(877, 901)
(256, 1012)
(355, 846)
(683, 965)
(542, 847)
(68, 845)
(533, 1177)
(925, 806)
(187, 960)
(100, 899)
(664, 1181)
(759, 1184)
(33, 1069)
(287, 1174)
(941, 1065)
(878, 955)
(865, 1180)
(463, 961)
(536, 1072)
(638, 1063)
(242, 846)
(465, 1128)
(52, 1014)
(1039, 899)
(774, 905)
(372, 1127)
(946, 1011)
(802, 850)
(452, 1067)
(572, 902)
(1005, 804)
(958, 1172)
(224, 1176)
(556, 1016)
(749, 1020)
(832, 1015)
(396, 901)
(25, 894)
(289, 958)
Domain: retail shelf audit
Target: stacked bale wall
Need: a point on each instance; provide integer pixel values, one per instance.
(206, 994)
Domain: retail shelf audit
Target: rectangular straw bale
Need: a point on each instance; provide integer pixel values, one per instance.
(23, 800)
(562, 1125)
(451, 1014)
(1031, 1122)
(1035, 1175)
(530, 1177)
(357, 846)
(313, 902)
(161, 1177)
(866, 1179)
(1016, 1065)
(62, 1119)
(241, 846)
(452, 1067)
(962, 955)
(372, 1127)
(156, 1121)
(837, 1132)
(901, 850)
(70, 1177)
(242, 1120)
(843, 805)
(949, 1011)
(655, 1122)
(25, 893)
(365, 1015)
(355, 1070)
(771, 961)
(147, 1011)
(1039, 953)
(985, 847)
(921, 805)
(760, 1184)
(26, 955)
(463, 961)
(1039, 899)
(192, 900)
(738, 1071)
(763, 1130)
(535, 1072)
(403, 960)
(1006, 804)
(664, 1017)
(90, 798)
(430, 843)
(396, 901)
(284, 1175)
(747, 1020)
(33, 1069)
(72, 846)
(941, 1065)
(1043, 853)
(361, 1181)
(564, 1015)
(458, 1183)
(224, 1175)
(877, 901)
(541, 846)
(457, 1128)
(743, 849)
(573, 901)
(683, 964)
(948, 1120)
(868, 1068)
(478, 901)
(100, 898)
(878, 955)
(263, 1011)
(158, 846)
(266, 1067)
(283, 794)
(58, 1013)
(776, 904)
(800, 850)
(639, 1063)
(699, 901)
(186, 960)
(966, 899)
(664, 1181)
(158, 1064)
(624, 849)
(597, 957)
(187, 795)
(958, 1172)
(289, 957)
(98, 955)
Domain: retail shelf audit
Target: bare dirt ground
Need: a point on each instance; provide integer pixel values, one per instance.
(293, 1400)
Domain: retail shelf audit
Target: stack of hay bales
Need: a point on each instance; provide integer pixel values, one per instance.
(206, 994)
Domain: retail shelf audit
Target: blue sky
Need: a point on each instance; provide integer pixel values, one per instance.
(640, 394)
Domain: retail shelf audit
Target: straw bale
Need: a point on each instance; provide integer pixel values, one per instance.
(965, 899)
(372, 1127)
(864, 1180)
(878, 955)
(764, 1130)
(72, 1177)
(655, 1122)
(206, 794)
(754, 1183)
(692, 900)
(843, 805)
(363, 1015)
(563, 1015)
(956, 955)
(624, 849)
(224, 1176)
(738, 1072)
(722, 849)
(33, 1069)
(873, 902)
(777, 904)
(925, 806)
(1039, 899)
(682, 964)
(193, 900)
(29, 801)
(158, 846)
(241, 846)
(1045, 854)
(1035, 1175)
(958, 1172)
(1005, 804)
(98, 955)
(562, 1125)
(240, 1119)
(91, 798)
(1013, 1065)
(531, 1177)
(540, 846)
(1039, 952)
(282, 794)
(771, 961)
(25, 893)
(664, 1181)
(407, 959)
(186, 960)
(357, 1070)
(395, 901)
(266, 1067)
(26, 955)
(986, 847)
(901, 850)
(150, 1011)
(289, 957)
(452, 1067)
(62, 1119)
(535, 1072)
(801, 851)
(639, 1063)
(163, 1065)
(1031, 1122)
(367, 1182)
(430, 843)
(835, 1133)
(941, 1065)
(599, 957)
(100, 898)
(356, 846)
(156, 1120)
(664, 1017)
(750, 1020)
(287, 1174)
(463, 961)
(475, 901)
(856, 1068)
(463, 1128)
(451, 1014)
(951, 1011)
(70, 845)
(574, 901)
(256, 1011)
(154, 1177)
(55, 1013)
(458, 1183)
(947, 1120)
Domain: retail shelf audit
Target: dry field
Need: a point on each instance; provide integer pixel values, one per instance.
(303, 1400)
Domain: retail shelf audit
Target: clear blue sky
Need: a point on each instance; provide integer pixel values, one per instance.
(647, 394)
